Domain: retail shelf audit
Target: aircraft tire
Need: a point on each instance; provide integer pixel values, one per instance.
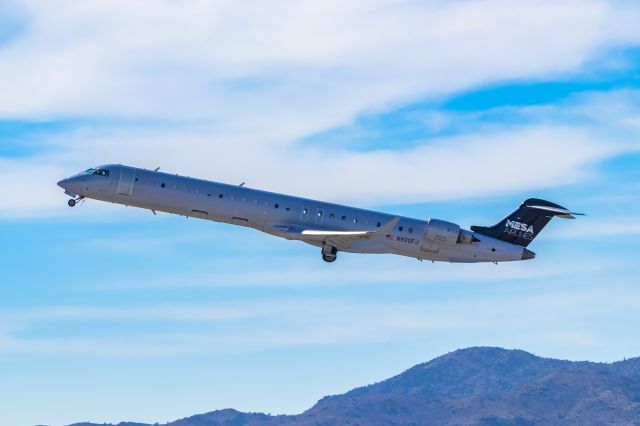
(71, 202)
(329, 258)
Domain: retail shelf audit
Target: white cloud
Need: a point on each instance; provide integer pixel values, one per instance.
(240, 84)
(256, 62)
(498, 162)
(303, 66)
(29, 187)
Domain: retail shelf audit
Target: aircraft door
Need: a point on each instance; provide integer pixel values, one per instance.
(125, 186)
(319, 217)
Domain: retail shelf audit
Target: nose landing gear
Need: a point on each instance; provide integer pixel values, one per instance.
(329, 253)
(72, 202)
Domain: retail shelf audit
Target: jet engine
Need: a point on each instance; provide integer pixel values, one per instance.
(444, 232)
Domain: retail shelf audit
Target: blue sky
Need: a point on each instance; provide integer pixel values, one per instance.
(436, 109)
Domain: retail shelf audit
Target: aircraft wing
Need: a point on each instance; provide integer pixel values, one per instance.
(341, 240)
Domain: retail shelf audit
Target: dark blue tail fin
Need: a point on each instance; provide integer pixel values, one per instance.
(524, 224)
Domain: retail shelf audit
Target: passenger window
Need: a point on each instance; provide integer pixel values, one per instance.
(220, 195)
(355, 220)
(410, 230)
(287, 209)
(208, 195)
(319, 214)
(378, 224)
(344, 218)
(305, 211)
(332, 216)
(400, 229)
(276, 205)
(162, 185)
(136, 179)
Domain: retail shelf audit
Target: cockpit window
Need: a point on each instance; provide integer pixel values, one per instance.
(101, 172)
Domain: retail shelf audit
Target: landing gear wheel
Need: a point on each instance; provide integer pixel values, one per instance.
(71, 202)
(329, 257)
(329, 253)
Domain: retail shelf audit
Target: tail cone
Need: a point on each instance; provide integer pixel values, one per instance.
(527, 254)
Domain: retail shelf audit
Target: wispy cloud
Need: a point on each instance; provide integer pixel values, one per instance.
(157, 313)
(609, 227)
(263, 61)
(299, 323)
(205, 96)
(295, 271)
(442, 169)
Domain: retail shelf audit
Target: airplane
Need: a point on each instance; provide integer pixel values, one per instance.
(331, 227)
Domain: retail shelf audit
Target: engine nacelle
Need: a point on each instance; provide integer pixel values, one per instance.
(443, 232)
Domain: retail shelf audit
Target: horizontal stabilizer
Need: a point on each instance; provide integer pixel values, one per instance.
(558, 211)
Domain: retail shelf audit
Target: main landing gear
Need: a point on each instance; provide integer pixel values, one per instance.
(72, 202)
(329, 253)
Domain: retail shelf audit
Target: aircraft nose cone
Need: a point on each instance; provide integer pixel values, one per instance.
(527, 254)
(63, 183)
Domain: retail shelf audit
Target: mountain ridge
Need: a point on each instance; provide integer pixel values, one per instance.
(485, 386)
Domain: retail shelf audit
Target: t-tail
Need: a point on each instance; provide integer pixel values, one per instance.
(524, 224)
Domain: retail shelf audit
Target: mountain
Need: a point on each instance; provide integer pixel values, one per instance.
(476, 386)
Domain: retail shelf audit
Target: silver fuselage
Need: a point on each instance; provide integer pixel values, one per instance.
(271, 212)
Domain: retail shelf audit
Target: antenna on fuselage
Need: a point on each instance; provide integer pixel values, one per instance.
(156, 169)
(242, 184)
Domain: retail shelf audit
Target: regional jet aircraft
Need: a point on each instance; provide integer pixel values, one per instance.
(332, 227)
